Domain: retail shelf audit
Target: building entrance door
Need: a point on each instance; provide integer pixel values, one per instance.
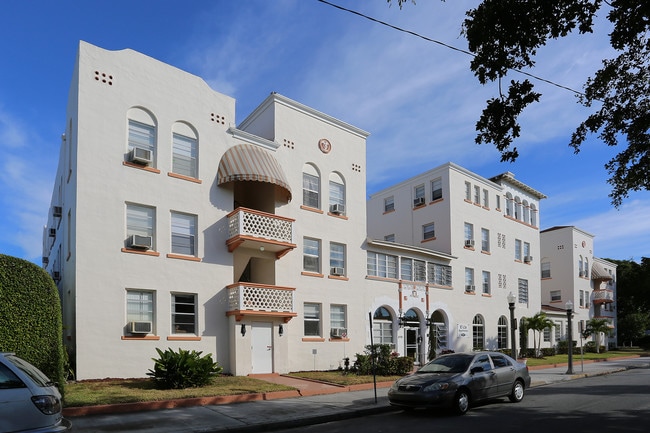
(262, 347)
(412, 343)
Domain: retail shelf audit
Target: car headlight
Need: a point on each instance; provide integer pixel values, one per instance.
(394, 386)
(48, 404)
(437, 386)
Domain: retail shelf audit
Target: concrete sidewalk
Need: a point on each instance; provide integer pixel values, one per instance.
(311, 404)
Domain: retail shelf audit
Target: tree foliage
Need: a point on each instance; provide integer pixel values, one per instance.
(505, 35)
(538, 323)
(632, 299)
(30, 316)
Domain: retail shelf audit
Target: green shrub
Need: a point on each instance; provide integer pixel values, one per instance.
(183, 369)
(644, 342)
(30, 316)
(386, 363)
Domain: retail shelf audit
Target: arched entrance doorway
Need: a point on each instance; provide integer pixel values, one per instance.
(438, 334)
(412, 336)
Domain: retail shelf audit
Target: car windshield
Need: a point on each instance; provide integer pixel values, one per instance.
(447, 364)
(34, 373)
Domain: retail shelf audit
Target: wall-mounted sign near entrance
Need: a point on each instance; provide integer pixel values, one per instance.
(463, 330)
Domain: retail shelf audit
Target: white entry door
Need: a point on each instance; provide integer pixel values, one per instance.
(262, 349)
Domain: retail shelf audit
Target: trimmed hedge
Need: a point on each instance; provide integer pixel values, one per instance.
(30, 316)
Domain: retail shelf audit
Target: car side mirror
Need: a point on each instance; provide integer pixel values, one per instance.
(477, 369)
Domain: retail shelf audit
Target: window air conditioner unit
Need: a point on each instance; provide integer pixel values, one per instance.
(140, 327)
(140, 156)
(418, 201)
(337, 271)
(337, 209)
(582, 274)
(469, 242)
(528, 259)
(57, 211)
(470, 288)
(338, 332)
(143, 242)
(52, 233)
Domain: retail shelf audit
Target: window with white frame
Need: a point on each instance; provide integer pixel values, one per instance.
(140, 306)
(478, 333)
(547, 334)
(338, 317)
(436, 189)
(582, 298)
(523, 291)
(419, 270)
(526, 250)
(586, 267)
(469, 233)
(485, 240)
(337, 259)
(526, 211)
(556, 295)
(143, 136)
(185, 155)
(469, 279)
(517, 208)
(312, 325)
(498, 200)
(337, 194)
(502, 333)
(477, 194)
(509, 205)
(439, 274)
(533, 215)
(468, 191)
(310, 187)
(418, 195)
(382, 327)
(382, 265)
(389, 204)
(183, 227)
(518, 249)
(486, 198)
(428, 231)
(580, 271)
(486, 283)
(140, 221)
(406, 269)
(546, 269)
(183, 313)
(311, 255)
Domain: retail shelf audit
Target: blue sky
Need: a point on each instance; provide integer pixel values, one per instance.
(418, 99)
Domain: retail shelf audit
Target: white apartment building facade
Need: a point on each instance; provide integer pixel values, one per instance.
(457, 244)
(572, 277)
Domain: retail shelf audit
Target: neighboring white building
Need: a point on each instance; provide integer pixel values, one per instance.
(571, 273)
(460, 243)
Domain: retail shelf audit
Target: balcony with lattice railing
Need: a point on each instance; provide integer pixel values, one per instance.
(255, 229)
(603, 296)
(252, 299)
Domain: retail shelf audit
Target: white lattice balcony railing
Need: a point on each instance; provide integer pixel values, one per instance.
(244, 297)
(603, 296)
(264, 228)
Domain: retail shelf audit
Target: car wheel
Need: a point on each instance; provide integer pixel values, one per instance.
(517, 393)
(461, 402)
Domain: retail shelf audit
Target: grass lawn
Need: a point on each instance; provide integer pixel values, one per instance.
(112, 391)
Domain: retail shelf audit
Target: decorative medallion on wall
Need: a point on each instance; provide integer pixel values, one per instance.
(584, 244)
(324, 145)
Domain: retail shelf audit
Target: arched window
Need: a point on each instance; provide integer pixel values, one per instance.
(509, 205)
(502, 333)
(586, 268)
(580, 271)
(517, 208)
(526, 217)
(185, 150)
(382, 327)
(533, 215)
(310, 186)
(337, 194)
(141, 142)
(478, 333)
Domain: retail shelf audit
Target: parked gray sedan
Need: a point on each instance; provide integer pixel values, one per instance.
(458, 380)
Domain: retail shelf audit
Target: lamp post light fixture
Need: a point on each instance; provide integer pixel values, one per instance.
(569, 316)
(513, 324)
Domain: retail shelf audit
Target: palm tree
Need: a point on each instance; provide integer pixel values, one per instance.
(596, 327)
(539, 322)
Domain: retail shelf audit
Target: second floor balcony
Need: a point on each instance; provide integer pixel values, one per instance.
(249, 228)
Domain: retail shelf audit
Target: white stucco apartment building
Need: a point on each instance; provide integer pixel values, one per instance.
(572, 274)
(173, 226)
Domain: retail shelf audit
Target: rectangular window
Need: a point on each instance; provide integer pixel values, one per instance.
(439, 274)
(526, 249)
(382, 265)
(486, 198)
(523, 291)
(486, 283)
(310, 191)
(469, 280)
(418, 196)
(338, 317)
(556, 295)
(406, 269)
(337, 198)
(183, 313)
(312, 320)
(419, 270)
(428, 231)
(547, 334)
(582, 298)
(468, 191)
(498, 197)
(143, 137)
(337, 259)
(546, 269)
(389, 204)
(183, 234)
(185, 158)
(517, 249)
(311, 255)
(140, 306)
(485, 240)
(469, 232)
(477, 194)
(140, 221)
(436, 189)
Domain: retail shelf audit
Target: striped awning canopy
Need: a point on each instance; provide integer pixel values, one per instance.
(250, 162)
(598, 272)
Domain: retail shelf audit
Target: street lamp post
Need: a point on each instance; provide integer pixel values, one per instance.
(513, 324)
(569, 316)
